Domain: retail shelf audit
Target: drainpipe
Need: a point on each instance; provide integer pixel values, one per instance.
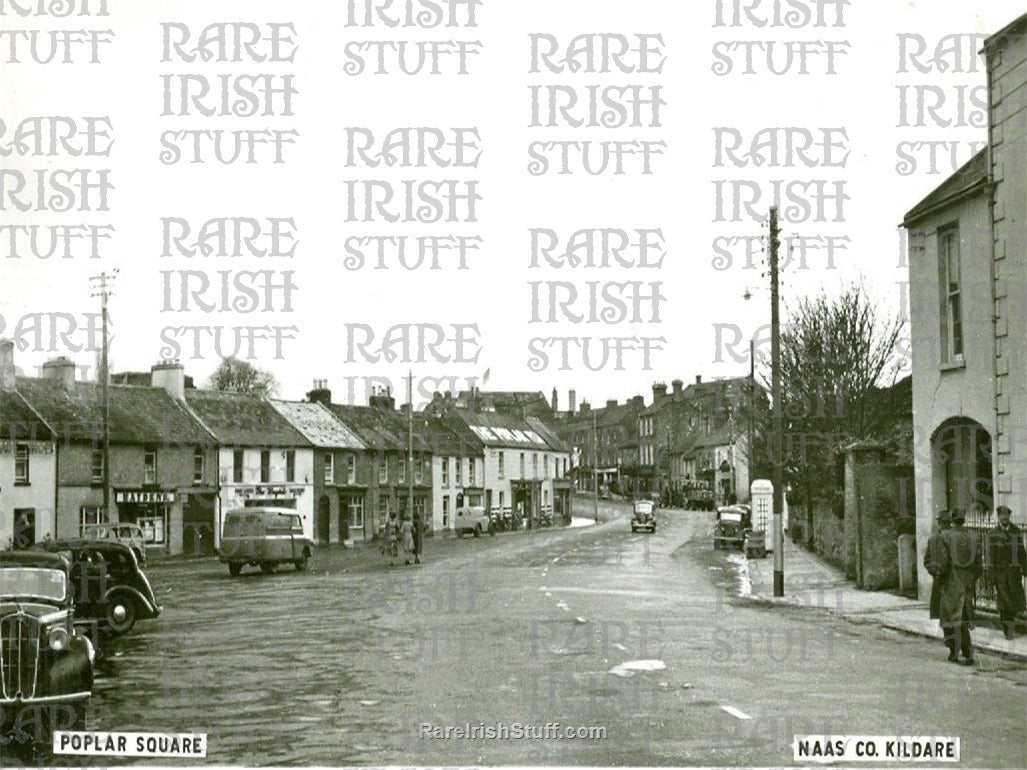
(994, 299)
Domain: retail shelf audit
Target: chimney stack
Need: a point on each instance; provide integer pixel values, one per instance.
(585, 407)
(553, 402)
(572, 401)
(659, 392)
(169, 375)
(698, 379)
(7, 371)
(320, 394)
(677, 385)
(62, 370)
(611, 403)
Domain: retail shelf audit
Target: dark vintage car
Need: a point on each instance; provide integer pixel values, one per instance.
(111, 589)
(643, 516)
(45, 665)
(731, 527)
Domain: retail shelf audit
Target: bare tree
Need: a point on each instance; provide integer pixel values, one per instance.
(238, 376)
(836, 355)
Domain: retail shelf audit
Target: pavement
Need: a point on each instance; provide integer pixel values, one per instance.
(814, 583)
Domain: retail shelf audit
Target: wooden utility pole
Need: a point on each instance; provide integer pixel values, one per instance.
(102, 289)
(775, 377)
(595, 467)
(410, 464)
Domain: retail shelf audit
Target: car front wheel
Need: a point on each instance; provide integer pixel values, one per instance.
(477, 531)
(301, 563)
(234, 568)
(121, 614)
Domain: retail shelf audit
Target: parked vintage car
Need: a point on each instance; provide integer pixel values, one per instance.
(643, 516)
(264, 537)
(111, 589)
(44, 662)
(122, 532)
(731, 527)
(471, 518)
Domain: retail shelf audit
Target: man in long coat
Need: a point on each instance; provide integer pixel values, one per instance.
(961, 550)
(1008, 559)
(935, 561)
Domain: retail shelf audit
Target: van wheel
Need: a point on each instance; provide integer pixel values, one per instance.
(234, 568)
(121, 614)
(477, 530)
(301, 563)
(267, 567)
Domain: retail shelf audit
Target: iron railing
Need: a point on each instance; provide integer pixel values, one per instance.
(982, 522)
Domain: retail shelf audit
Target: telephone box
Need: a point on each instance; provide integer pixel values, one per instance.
(762, 501)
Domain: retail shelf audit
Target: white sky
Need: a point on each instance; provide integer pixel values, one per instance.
(678, 197)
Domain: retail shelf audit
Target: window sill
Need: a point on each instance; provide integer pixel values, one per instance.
(23, 483)
(952, 366)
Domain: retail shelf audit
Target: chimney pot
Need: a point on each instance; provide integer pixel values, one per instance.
(61, 369)
(698, 379)
(572, 401)
(169, 375)
(7, 371)
(610, 403)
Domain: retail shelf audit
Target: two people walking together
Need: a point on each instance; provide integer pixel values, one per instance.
(955, 559)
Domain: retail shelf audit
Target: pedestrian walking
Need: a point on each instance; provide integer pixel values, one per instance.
(406, 530)
(962, 553)
(418, 539)
(1008, 558)
(936, 562)
(390, 538)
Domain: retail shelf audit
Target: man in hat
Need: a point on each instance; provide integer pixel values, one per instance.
(936, 561)
(1008, 557)
(955, 603)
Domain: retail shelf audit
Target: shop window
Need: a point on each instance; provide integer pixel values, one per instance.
(89, 514)
(153, 529)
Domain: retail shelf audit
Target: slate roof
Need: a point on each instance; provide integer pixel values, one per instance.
(546, 432)
(967, 178)
(449, 436)
(380, 429)
(18, 421)
(240, 419)
(318, 424)
(137, 415)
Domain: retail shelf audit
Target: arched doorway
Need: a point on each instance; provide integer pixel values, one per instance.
(324, 519)
(961, 466)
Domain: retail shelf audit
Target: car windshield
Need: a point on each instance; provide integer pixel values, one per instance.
(33, 582)
(732, 516)
(643, 507)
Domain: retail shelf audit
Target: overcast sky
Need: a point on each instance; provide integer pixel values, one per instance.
(678, 198)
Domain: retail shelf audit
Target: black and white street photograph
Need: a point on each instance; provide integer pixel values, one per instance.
(513, 383)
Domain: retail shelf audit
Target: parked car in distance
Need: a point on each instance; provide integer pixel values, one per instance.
(121, 532)
(471, 517)
(111, 589)
(264, 537)
(732, 524)
(46, 664)
(643, 516)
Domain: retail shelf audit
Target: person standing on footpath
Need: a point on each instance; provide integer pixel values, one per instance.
(406, 530)
(418, 538)
(936, 563)
(955, 606)
(1008, 557)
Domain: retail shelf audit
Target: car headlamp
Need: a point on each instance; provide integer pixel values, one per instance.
(60, 639)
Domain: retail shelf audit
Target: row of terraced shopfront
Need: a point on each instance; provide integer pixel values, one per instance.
(180, 456)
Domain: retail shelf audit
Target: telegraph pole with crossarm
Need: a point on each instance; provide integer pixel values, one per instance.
(102, 288)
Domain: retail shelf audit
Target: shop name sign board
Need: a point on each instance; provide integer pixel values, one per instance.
(34, 447)
(270, 492)
(141, 496)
